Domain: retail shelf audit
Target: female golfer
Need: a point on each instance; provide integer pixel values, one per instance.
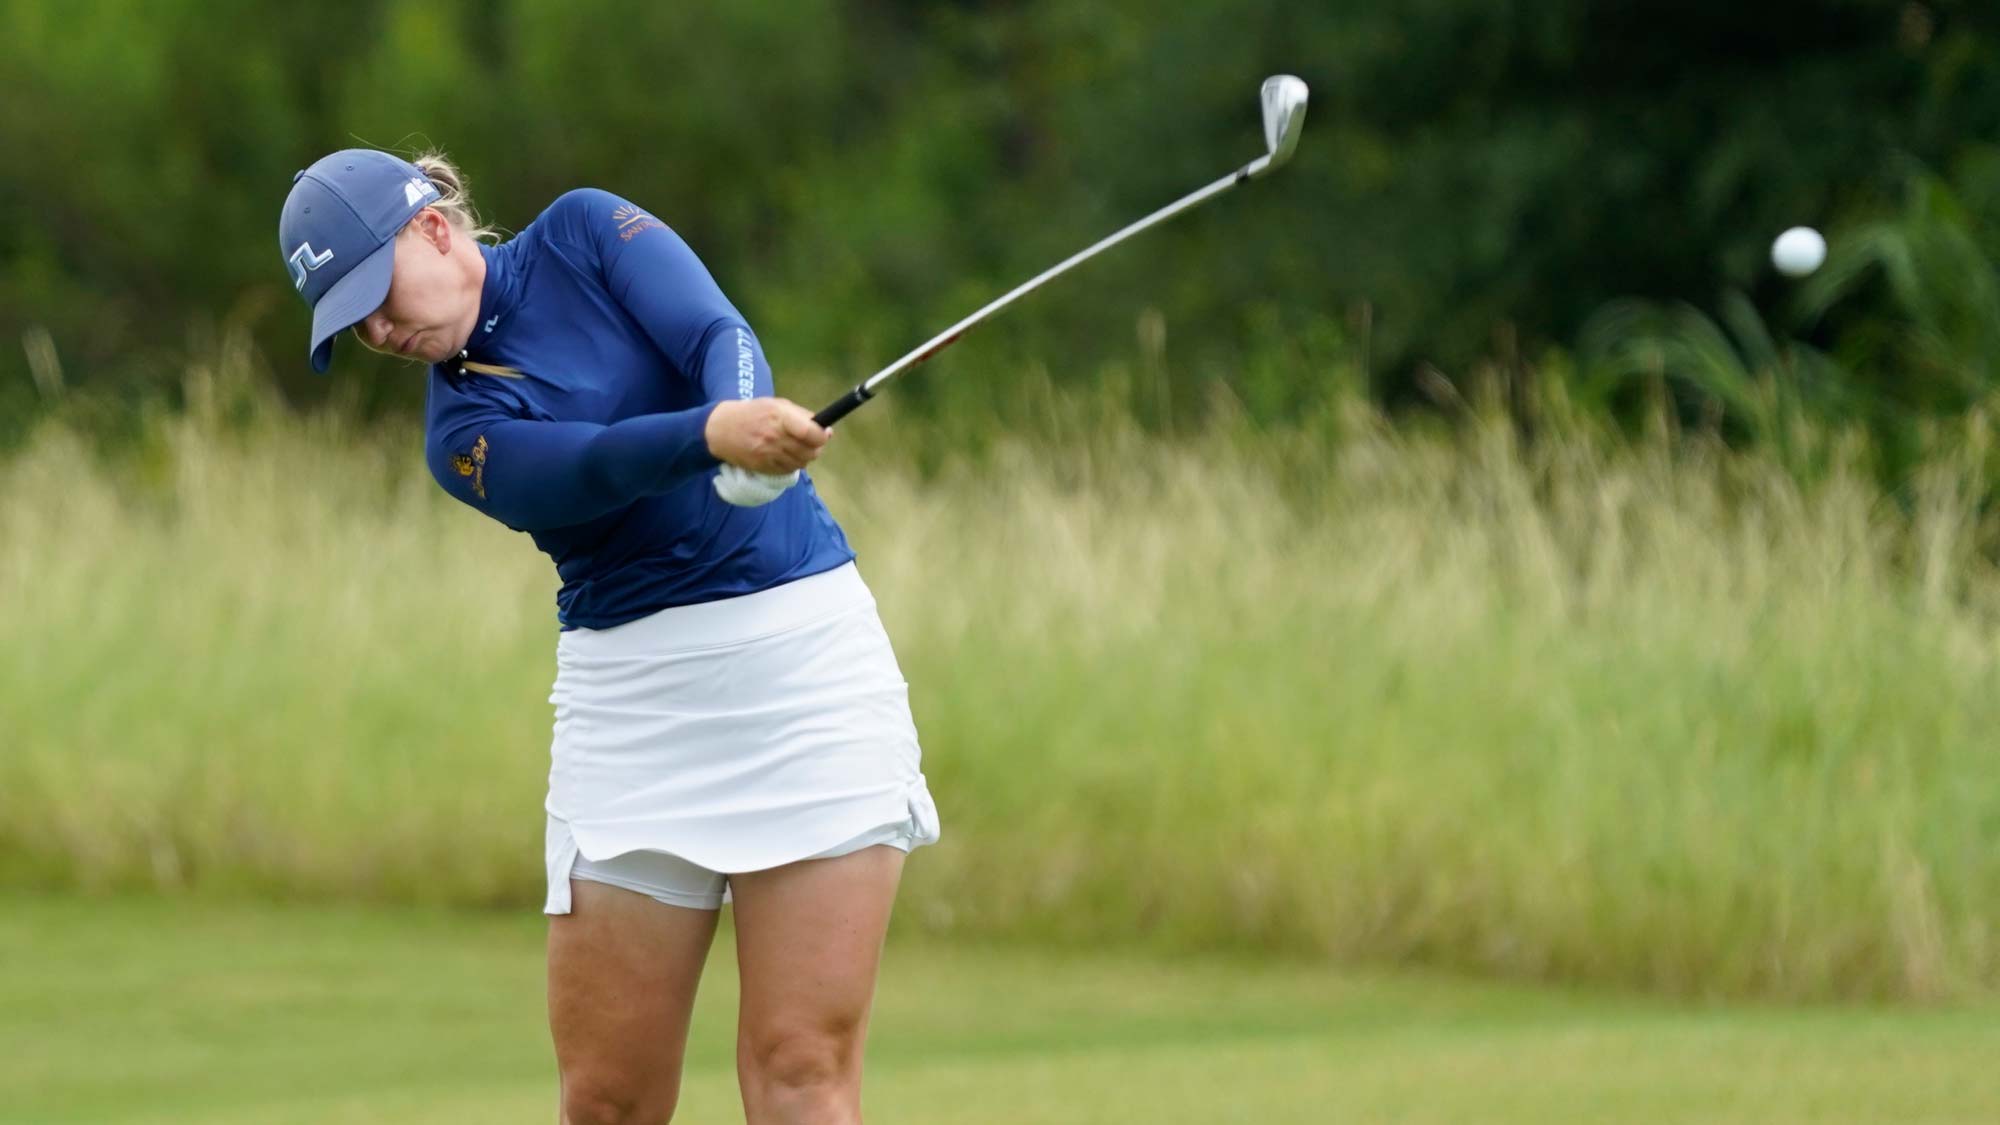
(728, 714)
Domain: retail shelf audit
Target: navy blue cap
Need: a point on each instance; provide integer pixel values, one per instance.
(338, 236)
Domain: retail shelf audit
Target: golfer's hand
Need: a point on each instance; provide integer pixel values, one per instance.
(765, 435)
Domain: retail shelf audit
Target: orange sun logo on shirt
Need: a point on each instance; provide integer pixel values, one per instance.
(631, 221)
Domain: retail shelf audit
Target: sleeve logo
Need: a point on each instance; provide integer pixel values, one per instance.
(632, 221)
(473, 465)
(746, 366)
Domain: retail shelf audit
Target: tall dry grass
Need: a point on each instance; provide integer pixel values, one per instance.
(1644, 711)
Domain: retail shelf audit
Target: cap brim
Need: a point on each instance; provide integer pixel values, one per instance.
(350, 300)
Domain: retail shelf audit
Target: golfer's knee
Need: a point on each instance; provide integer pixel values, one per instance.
(587, 1101)
(803, 1059)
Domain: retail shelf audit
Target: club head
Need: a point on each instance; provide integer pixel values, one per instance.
(1284, 99)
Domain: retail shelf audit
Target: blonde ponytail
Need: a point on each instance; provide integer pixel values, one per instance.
(454, 202)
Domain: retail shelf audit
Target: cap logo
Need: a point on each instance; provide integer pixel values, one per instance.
(415, 189)
(304, 259)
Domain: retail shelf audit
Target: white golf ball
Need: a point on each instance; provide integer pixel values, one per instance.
(1798, 251)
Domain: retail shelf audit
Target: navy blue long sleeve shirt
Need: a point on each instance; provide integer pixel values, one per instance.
(612, 345)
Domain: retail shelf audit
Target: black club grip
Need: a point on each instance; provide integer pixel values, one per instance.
(843, 406)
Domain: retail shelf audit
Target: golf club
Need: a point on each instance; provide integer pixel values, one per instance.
(1284, 103)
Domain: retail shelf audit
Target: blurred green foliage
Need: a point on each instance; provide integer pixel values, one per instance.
(1479, 176)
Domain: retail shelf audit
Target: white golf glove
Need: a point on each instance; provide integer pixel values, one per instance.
(746, 489)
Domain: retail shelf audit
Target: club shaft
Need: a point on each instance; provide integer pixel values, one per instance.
(847, 403)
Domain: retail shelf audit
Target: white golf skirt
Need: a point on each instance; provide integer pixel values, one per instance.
(737, 735)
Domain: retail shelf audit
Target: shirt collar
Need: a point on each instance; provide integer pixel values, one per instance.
(498, 298)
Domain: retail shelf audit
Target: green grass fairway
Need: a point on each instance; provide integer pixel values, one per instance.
(183, 1011)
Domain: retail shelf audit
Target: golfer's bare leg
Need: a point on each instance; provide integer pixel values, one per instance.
(622, 975)
(808, 943)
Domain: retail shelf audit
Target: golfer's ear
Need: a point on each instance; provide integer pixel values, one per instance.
(435, 228)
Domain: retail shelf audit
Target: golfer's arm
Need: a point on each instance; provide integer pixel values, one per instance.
(534, 476)
(656, 276)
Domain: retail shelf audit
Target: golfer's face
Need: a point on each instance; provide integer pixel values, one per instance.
(420, 318)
